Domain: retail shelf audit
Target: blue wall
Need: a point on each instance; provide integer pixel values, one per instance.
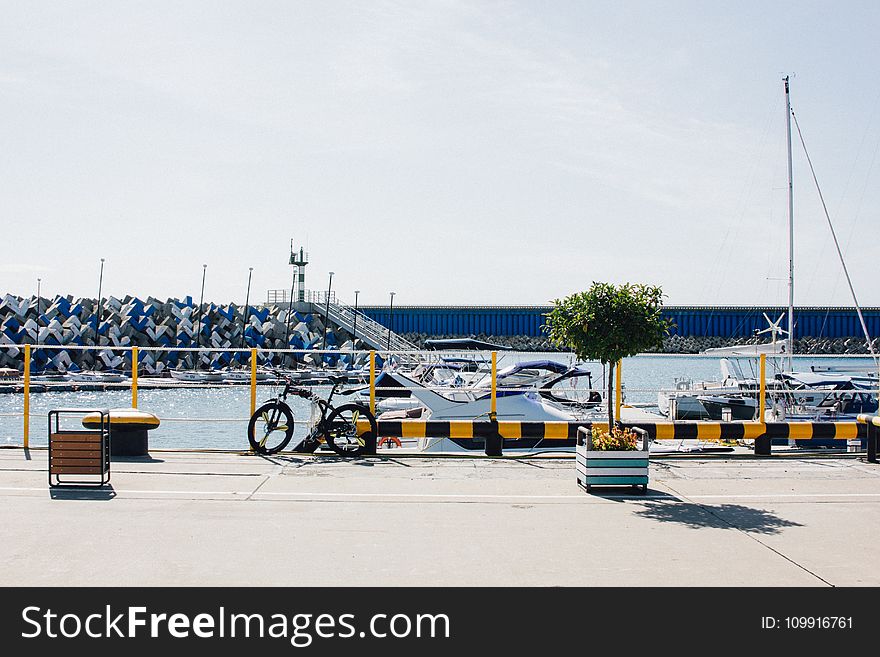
(689, 320)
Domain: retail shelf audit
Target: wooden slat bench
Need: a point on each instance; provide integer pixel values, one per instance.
(79, 452)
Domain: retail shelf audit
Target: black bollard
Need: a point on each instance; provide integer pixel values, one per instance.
(493, 445)
(369, 444)
(762, 445)
(872, 443)
(494, 441)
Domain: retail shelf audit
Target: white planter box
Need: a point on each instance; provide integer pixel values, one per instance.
(610, 468)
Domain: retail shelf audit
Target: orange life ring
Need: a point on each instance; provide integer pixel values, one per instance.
(387, 440)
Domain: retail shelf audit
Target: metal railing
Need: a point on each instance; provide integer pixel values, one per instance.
(757, 427)
(370, 331)
(277, 296)
(319, 297)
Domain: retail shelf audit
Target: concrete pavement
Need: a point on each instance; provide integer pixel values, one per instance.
(189, 518)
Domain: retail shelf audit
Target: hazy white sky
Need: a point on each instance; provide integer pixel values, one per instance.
(454, 152)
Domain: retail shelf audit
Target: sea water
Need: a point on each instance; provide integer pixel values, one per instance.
(217, 417)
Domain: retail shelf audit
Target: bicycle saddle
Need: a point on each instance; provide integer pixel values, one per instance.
(337, 379)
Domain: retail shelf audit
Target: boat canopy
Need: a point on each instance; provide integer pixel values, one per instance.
(812, 380)
(569, 373)
(464, 343)
(550, 365)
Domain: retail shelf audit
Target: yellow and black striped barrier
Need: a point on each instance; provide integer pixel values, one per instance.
(527, 434)
(872, 425)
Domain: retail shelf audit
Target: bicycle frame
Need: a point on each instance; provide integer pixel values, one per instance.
(336, 426)
(305, 393)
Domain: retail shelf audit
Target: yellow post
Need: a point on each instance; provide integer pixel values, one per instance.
(762, 394)
(619, 384)
(253, 381)
(494, 404)
(134, 377)
(373, 382)
(27, 394)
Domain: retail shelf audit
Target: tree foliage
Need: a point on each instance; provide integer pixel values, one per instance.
(608, 323)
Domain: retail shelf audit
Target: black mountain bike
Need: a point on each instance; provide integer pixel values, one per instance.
(272, 425)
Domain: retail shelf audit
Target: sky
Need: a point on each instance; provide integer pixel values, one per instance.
(456, 153)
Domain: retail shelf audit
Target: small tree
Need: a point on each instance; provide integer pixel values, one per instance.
(608, 323)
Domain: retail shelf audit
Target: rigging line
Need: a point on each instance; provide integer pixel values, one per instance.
(870, 168)
(862, 197)
(836, 244)
(720, 264)
(825, 320)
(858, 211)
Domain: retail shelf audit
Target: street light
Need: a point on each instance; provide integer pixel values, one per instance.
(327, 316)
(98, 313)
(201, 301)
(247, 299)
(355, 327)
(390, 317)
(38, 309)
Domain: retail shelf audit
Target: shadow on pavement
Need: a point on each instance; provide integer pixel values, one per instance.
(288, 459)
(135, 459)
(103, 494)
(722, 516)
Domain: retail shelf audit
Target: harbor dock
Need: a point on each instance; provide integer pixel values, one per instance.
(189, 518)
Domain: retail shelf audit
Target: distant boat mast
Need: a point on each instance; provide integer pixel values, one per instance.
(790, 346)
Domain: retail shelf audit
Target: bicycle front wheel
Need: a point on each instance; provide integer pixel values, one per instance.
(270, 428)
(346, 434)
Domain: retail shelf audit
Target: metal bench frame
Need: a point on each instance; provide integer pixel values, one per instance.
(80, 451)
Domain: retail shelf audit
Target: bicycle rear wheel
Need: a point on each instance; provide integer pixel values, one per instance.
(343, 434)
(270, 427)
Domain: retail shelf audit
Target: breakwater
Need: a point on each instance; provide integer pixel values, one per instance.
(63, 321)
(728, 322)
(67, 322)
(677, 344)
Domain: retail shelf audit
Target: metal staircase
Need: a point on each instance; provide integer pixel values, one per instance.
(368, 330)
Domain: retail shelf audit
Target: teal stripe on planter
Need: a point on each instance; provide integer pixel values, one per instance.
(617, 481)
(615, 472)
(617, 463)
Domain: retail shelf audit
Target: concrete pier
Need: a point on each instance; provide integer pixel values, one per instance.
(189, 518)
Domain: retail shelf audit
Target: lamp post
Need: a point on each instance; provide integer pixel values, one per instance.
(327, 316)
(354, 329)
(201, 312)
(38, 309)
(247, 299)
(98, 311)
(390, 317)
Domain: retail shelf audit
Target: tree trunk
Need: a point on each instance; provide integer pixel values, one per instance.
(610, 396)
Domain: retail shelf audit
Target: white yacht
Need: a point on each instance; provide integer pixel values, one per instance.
(93, 376)
(233, 375)
(196, 376)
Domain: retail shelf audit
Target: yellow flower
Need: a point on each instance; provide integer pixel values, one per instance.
(616, 439)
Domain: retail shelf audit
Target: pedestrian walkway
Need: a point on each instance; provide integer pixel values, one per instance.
(190, 518)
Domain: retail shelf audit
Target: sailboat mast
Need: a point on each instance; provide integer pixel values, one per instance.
(790, 345)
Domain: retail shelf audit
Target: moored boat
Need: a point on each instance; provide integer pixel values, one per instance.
(94, 376)
(232, 375)
(196, 376)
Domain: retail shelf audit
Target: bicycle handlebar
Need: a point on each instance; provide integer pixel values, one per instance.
(305, 393)
(290, 389)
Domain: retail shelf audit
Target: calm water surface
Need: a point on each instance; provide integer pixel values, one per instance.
(216, 418)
